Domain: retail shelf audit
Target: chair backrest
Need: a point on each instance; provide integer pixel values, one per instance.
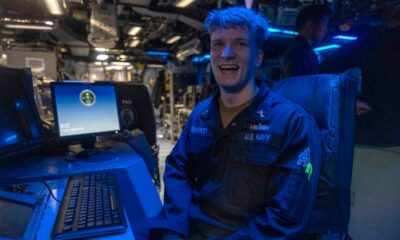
(137, 110)
(330, 99)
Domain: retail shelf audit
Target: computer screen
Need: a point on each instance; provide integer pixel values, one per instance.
(15, 217)
(20, 126)
(83, 109)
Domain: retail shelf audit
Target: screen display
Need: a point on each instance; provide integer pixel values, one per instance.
(15, 218)
(83, 109)
(19, 120)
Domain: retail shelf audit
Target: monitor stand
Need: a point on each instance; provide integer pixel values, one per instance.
(88, 151)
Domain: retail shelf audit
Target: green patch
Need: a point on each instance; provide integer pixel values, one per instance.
(309, 170)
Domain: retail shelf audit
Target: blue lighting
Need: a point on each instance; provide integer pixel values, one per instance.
(289, 32)
(162, 54)
(75, 81)
(327, 47)
(17, 104)
(277, 30)
(196, 59)
(342, 37)
(201, 58)
(274, 30)
(11, 138)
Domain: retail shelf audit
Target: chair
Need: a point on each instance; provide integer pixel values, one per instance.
(331, 100)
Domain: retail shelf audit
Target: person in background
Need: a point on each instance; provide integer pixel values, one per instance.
(378, 56)
(299, 57)
(247, 162)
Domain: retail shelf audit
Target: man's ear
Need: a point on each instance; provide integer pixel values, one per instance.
(259, 57)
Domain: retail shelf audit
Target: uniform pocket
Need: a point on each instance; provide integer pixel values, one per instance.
(253, 152)
(245, 185)
(247, 170)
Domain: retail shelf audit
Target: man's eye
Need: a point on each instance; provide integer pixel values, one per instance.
(217, 44)
(241, 44)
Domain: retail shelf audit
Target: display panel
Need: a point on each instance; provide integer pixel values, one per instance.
(85, 109)
(20, 127)
(15, 217)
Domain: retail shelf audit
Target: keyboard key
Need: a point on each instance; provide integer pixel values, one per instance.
(107, 221)
(68, 221)
(116, 220)
(90, 224)
(99, 223)
(67, 228)
(80, 226)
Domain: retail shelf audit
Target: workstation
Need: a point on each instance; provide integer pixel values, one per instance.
(38, 170)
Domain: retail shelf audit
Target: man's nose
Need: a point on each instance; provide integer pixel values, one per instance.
(228, 51)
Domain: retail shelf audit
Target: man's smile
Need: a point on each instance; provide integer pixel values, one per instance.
(228, 67)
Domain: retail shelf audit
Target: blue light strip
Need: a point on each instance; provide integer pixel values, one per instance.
(196, 59)
(343, 37)
(201, 58)
(289, 32)
(75, 81)
(152, 53)
(277, 30)
(327, 47)
(11, 138)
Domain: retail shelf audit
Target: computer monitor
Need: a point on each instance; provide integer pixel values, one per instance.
(83, 111)
(15, 217)
(20, 126)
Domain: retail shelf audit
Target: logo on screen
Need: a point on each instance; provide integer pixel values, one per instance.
(87, 97)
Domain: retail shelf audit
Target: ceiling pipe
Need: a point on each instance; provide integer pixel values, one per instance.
(187, 16)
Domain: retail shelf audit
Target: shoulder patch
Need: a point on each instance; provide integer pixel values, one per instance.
(304, 161)
(304, 158)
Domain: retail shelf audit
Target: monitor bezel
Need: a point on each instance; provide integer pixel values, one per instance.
(88, 135)
(16, 149)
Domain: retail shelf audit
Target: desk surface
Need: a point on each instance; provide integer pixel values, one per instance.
(57, 167)
(138, 194)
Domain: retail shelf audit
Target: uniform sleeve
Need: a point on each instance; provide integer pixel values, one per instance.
(291, 186)
(178, 190)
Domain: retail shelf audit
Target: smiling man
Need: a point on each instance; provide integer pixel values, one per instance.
(247, 163)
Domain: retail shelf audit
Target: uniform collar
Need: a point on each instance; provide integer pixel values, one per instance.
(210, 114)
(255, 112)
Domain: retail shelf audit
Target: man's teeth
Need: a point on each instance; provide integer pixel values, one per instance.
(228, 67)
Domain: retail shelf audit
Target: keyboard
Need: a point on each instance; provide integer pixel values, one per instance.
(90, 208)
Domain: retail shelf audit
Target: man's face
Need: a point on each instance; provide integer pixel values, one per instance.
(319, 29)
(233, 58)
